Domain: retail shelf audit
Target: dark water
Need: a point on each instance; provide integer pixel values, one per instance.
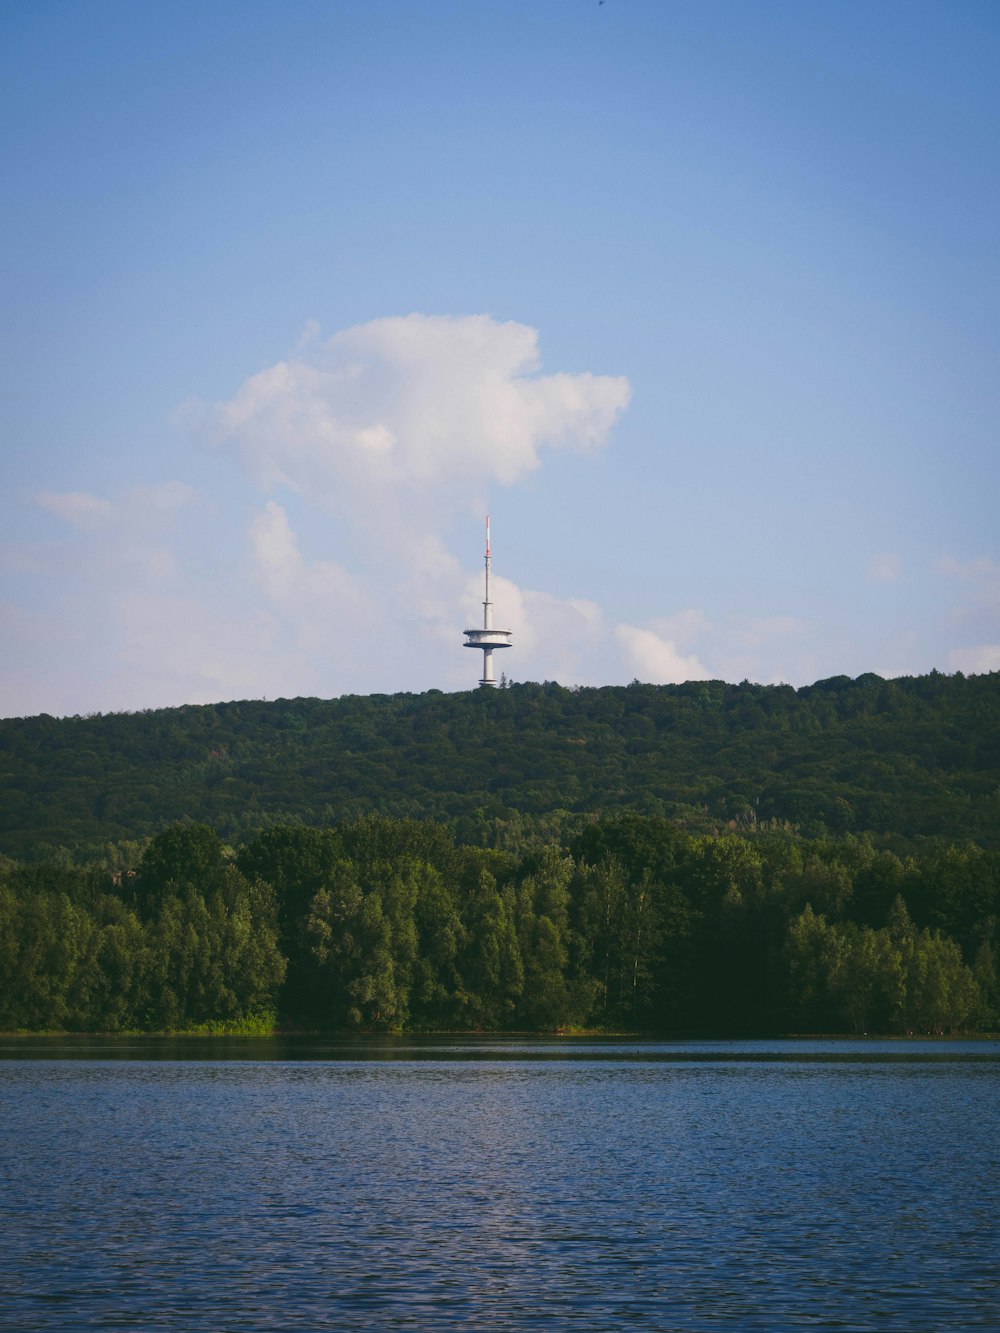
(499, 1185)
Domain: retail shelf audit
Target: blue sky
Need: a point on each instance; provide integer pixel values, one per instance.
(700, 301)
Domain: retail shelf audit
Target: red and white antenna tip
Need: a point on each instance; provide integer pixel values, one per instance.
(487, 534)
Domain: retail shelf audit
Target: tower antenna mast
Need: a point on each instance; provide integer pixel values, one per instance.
(487, 638)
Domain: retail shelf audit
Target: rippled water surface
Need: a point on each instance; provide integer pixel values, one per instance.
(499, 1185)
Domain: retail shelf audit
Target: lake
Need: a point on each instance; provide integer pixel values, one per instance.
(428, 1183)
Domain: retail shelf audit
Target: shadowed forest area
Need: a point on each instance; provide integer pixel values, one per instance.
(381, 923)
(702, 858)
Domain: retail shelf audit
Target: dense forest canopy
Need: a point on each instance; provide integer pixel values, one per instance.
(701, 858)
(904, 760)
(381, 923)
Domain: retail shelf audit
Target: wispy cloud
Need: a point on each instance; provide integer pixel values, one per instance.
(321, 603)
(979, 581)
(975, 661)
(977, 610)
(83, 510)
(884, 568)
(181, 648)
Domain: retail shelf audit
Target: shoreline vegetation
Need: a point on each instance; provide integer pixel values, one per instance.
(382, 926)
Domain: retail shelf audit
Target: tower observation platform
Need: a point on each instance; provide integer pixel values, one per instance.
(487, 638)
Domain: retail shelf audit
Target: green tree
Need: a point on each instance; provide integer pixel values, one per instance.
(185, 854)
(814, 953)
(491, 964)
(542, 915)
(350, 940)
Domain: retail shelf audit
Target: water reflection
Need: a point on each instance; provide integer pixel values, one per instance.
(489, 1048)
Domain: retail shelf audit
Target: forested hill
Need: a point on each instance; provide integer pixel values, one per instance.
(906, 759)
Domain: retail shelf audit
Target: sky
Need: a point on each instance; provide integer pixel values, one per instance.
(698, 300)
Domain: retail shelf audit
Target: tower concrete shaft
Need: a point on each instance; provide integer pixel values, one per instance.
(487, 638)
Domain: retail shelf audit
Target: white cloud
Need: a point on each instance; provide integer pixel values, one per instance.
(760, 631)
(684, 628)
(83, 510)
(179, 649)
(982, 569)
(735, 647)
(980, 581)
(416, 401)
(320, 600)
(561, 638)
(975, 661)
(656, 659)
(276, 549)
(137, 511)
(343, 625)
(121, 539)
(166, 498)
(884, 568)
(395, 426)
(554, 638)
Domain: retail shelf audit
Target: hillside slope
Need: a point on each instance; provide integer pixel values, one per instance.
(913, 758)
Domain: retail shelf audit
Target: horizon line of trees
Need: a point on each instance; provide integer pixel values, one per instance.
(907, 760)
(381, 923)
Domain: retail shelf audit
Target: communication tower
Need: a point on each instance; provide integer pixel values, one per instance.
(487, 638)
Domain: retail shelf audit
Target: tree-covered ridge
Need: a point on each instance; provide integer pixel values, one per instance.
(381, 923)
(906, 759)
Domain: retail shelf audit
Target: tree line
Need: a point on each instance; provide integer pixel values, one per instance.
(904, 760)
(384, 923)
